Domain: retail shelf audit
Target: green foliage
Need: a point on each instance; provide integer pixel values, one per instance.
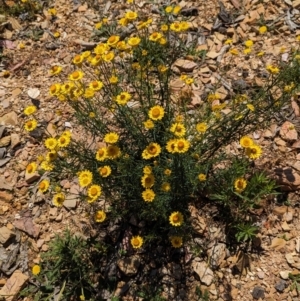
(295, 282)
(67, 269)
(202, 295)
(246, 232)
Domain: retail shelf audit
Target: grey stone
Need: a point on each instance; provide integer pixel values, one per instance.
(129, 265)
(5, 235)
(280, 286)
(258, 292)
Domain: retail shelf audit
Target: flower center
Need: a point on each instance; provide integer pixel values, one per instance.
(180, 145)
(104, 171)
(135, 242)
(53, 88)
(152, 150)
(75, 74)
(42, 185)
(175, 218)
(29, 168)
(156, 112)
(62, 140)
(77, 58)
(94, 191)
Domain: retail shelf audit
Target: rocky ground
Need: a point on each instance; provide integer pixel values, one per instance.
(28, 222)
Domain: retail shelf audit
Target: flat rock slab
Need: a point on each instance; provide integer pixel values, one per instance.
(9, 119)
(204, 272)
(13, 285)
(129, 265)
(5, 235)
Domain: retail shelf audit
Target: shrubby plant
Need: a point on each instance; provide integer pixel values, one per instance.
(145, 154)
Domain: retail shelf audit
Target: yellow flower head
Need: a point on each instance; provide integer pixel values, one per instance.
(100, 216)
(164, 27)
(30, 125)
(176, 219)
(162, 68)
(98, 25)
(234, 51)
(171, 146)
(166, 187)
(155, 36)
(272, 69)
(55, 70)
(113, 152)
(131, 15)
(249, 43)
(123, 98)
(184, 26)
(247, 51)
(149, 124)
(254, 152)
(136, 242)
(51, 156)
(148, 195)
(108, 57)
(58, 199)
(228, 42)
(52, 11)
(167, 172)
(123, 22)
(151, 151)
(94, 191)
(156, 113)
(54, 89)
(63, 141)
(176, 10)
(147, 170)
(113, 79)
(89, 93)
(189, 81)
(246, 141)
(104, 171)
(78, 59)
(201, 127)
(111, 138)
(176, 27)
(36, 269)
(147, 180)
(182, 145)
(240, 184)
(168, 9)
(202, 177)
(134, 41)
(250, 107)
(176, 241)
(31, 168)
(263, 29)
(44, 186)
(178, 129)
(56, 34)
(85, 178)
(76, 75)
(113, 40)
(101, 154)
(51, 143)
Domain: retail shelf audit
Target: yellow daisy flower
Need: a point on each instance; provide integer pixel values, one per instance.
(123, 98)
(148, 195)
(50, 143)
(171, 146)
(272, 69)
(30, 110)
(101, 154)
(176, 9)
(147, 180)
(76, 75)
(164, 27)
(176, 241)
(134, 41)
(96, 85)
(246, 141)
(108, 57)
(149, 124)
(100, 216)
(263, 29)
(168, 9)
(182, 145)
(51, 156)
(176, 219)
(104, 171)
(155, 36)
(31, 168)
(36, 269)
(58, 199)
(136, 242)
(202, 177)
(201, 127)
(44, 186)
(240, 184)
(78, 59)
(30, 125)
(55, 70)
(166, 187)
(249, 43)
(113, 79)
(111, 138)
(113, 40)
(176, 26)
(234, 51)
(167, 172)
(178, 129)
(156, 113)
(54, 89)
(131, 15)
(254, 152)
(63, 141)
(147, 170)
(45, 165)
(94, 191)
(151, 151)
(113, 152)
(85, 178)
